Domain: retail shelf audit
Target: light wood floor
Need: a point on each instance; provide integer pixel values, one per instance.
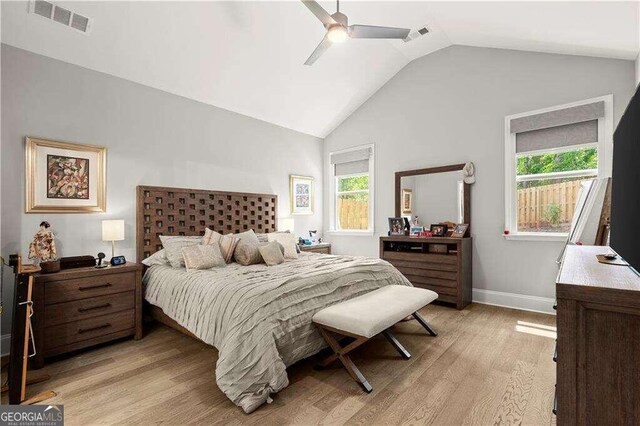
(480, 370)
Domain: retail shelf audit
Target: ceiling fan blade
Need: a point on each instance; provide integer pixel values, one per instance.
(369, 31)
(320, 13)
(322, 47)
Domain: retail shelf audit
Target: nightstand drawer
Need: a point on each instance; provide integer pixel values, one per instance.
(61, 313)
(84, 288)
(64, 334)
(322, 248)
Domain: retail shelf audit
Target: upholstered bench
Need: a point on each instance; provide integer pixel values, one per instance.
(363, 317)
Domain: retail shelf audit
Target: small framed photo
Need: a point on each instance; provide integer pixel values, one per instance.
(460, 230)
(407, 201)
(396, 226)
(416, 230)
(301, 193)
(438, 230)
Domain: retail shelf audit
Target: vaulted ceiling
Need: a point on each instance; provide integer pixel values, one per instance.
(248, 56)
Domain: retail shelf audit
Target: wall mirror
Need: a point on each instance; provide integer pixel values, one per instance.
(433, 195)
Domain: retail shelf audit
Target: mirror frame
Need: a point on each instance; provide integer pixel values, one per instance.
(466, 188)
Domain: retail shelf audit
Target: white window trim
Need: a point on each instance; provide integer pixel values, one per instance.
(332, 195)
(605, 160)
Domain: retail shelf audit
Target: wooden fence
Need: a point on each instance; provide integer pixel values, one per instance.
(353, 214)
(547, 206)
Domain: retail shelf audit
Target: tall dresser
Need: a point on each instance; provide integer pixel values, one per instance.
(436, 263)
(598, 352)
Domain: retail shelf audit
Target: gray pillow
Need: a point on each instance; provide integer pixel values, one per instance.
(173, 248)
(272, 253)
(247, 253)
(203, 256)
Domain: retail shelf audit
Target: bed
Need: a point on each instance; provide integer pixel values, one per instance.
(257, 317)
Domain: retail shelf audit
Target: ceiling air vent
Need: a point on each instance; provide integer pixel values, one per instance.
(61, 15)
(415, 34)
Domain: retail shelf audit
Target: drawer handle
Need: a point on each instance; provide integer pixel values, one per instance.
(99, 327)
(91, 308)
(92, 287)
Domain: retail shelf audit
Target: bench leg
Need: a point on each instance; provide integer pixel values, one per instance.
(424, 323)
(341, 354)
(392, 339)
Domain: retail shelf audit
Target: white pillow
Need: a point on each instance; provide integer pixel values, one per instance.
(173, 246)
(289, 242)
(157, 258)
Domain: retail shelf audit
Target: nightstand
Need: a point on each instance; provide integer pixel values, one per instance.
(323, 248)
(78, 308)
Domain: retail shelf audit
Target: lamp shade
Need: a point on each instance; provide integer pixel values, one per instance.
(113, 230)
(286, 224)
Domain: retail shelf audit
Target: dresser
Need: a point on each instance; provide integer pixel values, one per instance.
(78, 308)
(436, 263)
(598, 346)
(324, 248)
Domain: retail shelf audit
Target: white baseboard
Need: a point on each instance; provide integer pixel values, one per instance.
(515, 301)
(5, 343)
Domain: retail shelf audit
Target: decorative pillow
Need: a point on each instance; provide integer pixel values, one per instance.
(227, 243)
(271, 253)
(203, 256)
(248, 236)
(157, 258)
(247, 253)
(264, 238)
(173, 248)
(289, 241)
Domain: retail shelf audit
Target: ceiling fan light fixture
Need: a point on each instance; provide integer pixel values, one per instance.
(337, 34)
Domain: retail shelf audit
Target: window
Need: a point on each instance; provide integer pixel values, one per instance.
(351, 172)
(548, 153)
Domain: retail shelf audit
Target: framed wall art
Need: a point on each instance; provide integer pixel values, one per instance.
(407, 201)
(64, 177)
(301, 194)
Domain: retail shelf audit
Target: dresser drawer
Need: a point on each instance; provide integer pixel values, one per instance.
(61, 313)
(65, 334)
(84, 288)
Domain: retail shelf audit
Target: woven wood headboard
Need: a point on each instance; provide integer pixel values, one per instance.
(180, 211)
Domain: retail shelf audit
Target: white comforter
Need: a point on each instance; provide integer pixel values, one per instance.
(259, 317)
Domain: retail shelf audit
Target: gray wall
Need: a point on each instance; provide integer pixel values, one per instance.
(153, 138)
(449, 107)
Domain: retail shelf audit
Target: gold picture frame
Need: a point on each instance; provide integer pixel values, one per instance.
(62, 177)
(407, 201)
(301, 194)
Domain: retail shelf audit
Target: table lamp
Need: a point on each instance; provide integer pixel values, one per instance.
(113, 230)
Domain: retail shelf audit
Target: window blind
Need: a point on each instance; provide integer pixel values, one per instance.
(351, 162)
(557, 137)
(556, 129)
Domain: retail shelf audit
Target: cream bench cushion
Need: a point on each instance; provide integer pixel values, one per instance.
(374, 312)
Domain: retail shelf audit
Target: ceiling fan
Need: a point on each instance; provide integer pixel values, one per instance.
(338, 29)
